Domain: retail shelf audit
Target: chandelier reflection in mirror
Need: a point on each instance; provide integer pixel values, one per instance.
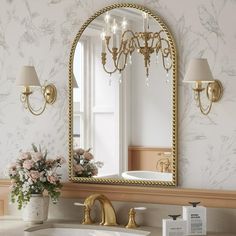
(121, 42)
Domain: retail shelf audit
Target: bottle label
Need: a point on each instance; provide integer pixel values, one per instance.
(176, 231)
(179, 233)
(196, 224)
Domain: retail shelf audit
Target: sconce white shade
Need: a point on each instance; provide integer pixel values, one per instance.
(28, 77)
(74, 82)
(198, 71)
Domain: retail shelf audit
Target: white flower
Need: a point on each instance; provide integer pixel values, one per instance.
(99, 164)
(25, 187)
(30, 181)
(21, 174)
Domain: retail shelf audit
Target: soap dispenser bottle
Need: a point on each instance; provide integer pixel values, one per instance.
(196, 219)
(174, 226)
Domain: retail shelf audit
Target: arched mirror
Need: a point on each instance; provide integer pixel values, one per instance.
(123, 99)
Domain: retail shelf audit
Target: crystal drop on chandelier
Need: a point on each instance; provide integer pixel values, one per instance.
(157, 59)
(147, 81)
(130, 59)
(167, 77)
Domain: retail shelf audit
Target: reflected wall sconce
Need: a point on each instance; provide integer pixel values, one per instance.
(28, 79)
(199, 73)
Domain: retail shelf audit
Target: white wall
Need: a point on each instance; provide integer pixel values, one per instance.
(42, 32)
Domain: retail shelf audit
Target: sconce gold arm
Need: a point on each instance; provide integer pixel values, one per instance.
(214, 92)
(49, 92)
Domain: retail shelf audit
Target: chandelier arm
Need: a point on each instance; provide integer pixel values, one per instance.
(108, 48)
(33, 111)
(107, 39)
(204, 111)
(109, 72)
(129, 31)
(134, 46)
(129, 41)
(158, 40)
(121, 46)
(153, 39)
(168, 46)
(135, 39)
(158, 35)
(165, 54)
(125, 61)
(157, 48)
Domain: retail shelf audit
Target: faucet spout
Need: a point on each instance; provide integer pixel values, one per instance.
(108, 212)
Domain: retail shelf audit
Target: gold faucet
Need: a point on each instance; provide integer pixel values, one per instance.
(108, 212)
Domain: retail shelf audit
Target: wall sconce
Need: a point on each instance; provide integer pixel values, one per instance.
(28, 78)
(199, 72)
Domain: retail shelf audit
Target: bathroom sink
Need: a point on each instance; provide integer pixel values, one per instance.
(81, 230)
(147, 175)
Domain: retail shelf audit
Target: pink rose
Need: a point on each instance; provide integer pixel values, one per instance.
(25, 155)
(28, 164)
(79, 151)
(34, 175)
(37, 156)
(78, 168)
(88, 156)
(49, 162)
(95, 171)
(52, 178)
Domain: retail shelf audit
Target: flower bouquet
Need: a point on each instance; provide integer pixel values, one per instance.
(33, 173)
(84, 165)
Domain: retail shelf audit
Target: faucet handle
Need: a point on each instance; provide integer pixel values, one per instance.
(79, 204)
(132, 223)
(140, 208)
(87, 219)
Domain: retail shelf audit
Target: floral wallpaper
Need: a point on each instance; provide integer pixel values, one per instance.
(41, 33)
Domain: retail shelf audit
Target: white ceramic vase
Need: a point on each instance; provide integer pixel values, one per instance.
(36, 210)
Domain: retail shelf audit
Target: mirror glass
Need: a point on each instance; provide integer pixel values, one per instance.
(123, 100)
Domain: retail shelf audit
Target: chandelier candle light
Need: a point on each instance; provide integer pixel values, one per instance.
(145, 43)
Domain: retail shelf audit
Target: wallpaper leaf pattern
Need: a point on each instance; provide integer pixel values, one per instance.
(41, 33)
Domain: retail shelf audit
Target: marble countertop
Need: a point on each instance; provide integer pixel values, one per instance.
(13, 227)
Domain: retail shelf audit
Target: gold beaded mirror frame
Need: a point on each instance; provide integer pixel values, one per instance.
(132, 151)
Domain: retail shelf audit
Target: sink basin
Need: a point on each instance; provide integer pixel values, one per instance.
(81, 230)
(147, 175)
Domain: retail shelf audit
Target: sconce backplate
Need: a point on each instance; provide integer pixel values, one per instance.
(50, 93)
(214, 91)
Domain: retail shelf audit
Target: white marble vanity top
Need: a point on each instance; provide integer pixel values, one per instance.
(13, 227)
